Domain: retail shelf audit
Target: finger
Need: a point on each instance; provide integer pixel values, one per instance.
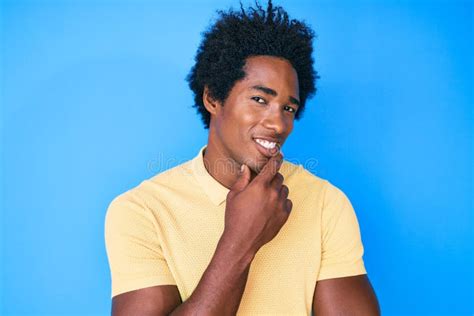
(275, 150)
(243, 179)
(288, 205)
(277, 181)
(270, 169)
(284, 191)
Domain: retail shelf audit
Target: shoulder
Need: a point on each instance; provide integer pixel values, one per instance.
(298, 176)
(137, 198)
(174, 178)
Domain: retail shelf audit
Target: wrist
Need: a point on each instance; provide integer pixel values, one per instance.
(235, 250)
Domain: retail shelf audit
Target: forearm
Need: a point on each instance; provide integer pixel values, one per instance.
(220, 289)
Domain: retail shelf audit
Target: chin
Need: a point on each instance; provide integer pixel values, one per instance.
(257, 165)
(254, 160)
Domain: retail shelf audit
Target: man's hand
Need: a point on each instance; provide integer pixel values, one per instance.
(256, 210)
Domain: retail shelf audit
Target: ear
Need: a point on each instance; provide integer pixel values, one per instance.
(211, 105)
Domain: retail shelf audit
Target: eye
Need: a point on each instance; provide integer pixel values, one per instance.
(258, 99)
(290, 109)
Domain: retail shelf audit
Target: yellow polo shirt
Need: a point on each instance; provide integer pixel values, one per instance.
(165, 231)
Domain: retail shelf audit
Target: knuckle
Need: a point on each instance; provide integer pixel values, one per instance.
(265, 185)
(260, 182)
(274, 193)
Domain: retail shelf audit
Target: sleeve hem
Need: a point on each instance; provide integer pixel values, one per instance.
(136, 284)
(341, 271)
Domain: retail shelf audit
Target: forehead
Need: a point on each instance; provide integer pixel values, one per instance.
(275, 72)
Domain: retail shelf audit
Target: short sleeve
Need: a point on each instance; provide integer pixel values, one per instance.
(134, 252)
(341, 244)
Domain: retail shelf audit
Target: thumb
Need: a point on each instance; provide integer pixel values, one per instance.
(243, 179)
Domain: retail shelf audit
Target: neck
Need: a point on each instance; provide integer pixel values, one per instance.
(220, 165)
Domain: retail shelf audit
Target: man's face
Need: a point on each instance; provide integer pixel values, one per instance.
(258, 113)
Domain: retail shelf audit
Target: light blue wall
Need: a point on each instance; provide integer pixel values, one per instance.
(94, 101)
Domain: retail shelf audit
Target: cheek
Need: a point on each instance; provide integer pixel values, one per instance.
(236, 123)
(246, 116)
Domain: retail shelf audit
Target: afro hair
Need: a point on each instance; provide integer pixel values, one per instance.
(237, 35)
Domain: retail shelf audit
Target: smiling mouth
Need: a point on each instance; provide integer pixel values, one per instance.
(266, 147)
(266, 144)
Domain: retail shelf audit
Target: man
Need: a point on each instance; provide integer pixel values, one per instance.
(238, 230)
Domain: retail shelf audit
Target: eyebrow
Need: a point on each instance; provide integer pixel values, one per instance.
(274, 93)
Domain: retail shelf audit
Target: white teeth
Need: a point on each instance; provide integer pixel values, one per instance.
(265, 143)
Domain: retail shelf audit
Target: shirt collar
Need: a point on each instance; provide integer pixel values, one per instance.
(213, 189)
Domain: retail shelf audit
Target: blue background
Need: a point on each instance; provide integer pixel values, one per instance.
(94, 101)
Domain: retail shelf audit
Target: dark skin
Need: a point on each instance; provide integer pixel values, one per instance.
(250, 111)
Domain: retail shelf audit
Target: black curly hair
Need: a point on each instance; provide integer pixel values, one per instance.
(235, 36)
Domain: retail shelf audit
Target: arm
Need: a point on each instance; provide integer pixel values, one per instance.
(221, 287)
(345, 296)
(218, 293)
(154, 300)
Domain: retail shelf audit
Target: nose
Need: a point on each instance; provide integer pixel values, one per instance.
(275, 121)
